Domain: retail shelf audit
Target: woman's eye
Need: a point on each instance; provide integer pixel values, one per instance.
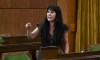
(47, 11)
(52, 11)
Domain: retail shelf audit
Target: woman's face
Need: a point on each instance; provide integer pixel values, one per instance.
(51, 15)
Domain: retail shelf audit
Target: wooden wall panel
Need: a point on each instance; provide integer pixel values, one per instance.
(68, 8)
(14, 14)
(41, 4)
(7, 19)
(19, 4)
(4, 3)
(72, 15)
(26, 3)
(13, 21)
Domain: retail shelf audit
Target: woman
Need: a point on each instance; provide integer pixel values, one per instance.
(52, 31)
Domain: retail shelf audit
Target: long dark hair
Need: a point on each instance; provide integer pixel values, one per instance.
(58, 24)
(58, 20)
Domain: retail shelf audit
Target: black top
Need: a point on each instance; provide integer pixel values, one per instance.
(49, 40)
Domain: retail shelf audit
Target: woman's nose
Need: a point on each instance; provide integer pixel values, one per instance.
(49, 13)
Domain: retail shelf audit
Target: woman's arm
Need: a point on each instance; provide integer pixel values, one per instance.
(31, 34)
(66, 42)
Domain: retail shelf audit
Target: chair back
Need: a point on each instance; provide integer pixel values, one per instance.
(23, 55)
(1, 40)
(94, 47)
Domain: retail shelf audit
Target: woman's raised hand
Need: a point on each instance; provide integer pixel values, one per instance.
(28, 26)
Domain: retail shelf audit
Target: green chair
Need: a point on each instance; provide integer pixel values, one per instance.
(1, 40)
(17, 56)
(94, 48)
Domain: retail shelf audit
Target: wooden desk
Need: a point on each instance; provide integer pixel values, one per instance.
(50, 52)
(32, 47)
(19, 39)
(19, 47)
(19, 43)
(81, 56)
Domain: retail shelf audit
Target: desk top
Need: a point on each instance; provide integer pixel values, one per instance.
(19, 47)
(19, 39)
(84, 54)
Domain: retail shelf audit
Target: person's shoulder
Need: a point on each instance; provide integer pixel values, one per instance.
(65, 27)
(40, 26)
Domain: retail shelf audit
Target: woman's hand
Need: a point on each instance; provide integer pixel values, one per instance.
(31, 34)
(28, 26)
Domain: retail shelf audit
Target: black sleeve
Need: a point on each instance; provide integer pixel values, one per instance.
(65, 27)
(40, 26)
